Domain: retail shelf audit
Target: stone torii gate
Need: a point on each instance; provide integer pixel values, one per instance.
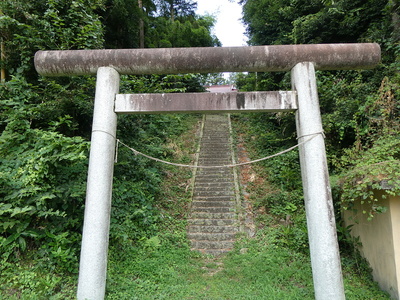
(301, 60)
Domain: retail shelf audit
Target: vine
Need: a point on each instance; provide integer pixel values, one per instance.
(372, 165)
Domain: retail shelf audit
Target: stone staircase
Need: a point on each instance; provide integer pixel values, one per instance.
(213, 221)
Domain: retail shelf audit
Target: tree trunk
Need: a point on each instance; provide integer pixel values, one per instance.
(141, 25)
(2, 59)
(396, 24)
(172, 10)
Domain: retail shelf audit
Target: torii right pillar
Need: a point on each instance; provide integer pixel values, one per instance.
(324, 248)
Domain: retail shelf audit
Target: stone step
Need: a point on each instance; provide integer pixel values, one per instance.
(213, 184)
(212, 216)
(214, 150)
(213, 172)
(204, 179)
(211, 229)
(213, 181)
(221, 123)
(198, 204)
(211, 245)
(213, 132)
(213, 199)
(203, 186)
(215, 161)
(199, 193)
(212, 138)
(214, 188)
(212, 159)
(216, 157)
(215, 121)
(213, 221)
(213, 209)
(205, 193)
(213, 236)
(216, 143)
(213, 252)
(208, 222)
(214, 164)
(216, 170)
(215, 154)
(209, 176)
(216, 181)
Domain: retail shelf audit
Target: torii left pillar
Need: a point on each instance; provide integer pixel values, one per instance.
(96, 226)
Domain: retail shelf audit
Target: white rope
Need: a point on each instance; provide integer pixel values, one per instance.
(221, 166)
(321, 132)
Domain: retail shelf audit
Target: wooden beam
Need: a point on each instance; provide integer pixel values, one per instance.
(276, 101)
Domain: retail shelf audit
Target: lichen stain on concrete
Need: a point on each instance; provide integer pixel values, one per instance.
(240, 100)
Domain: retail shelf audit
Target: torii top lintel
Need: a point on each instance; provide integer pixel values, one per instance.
(208, 60)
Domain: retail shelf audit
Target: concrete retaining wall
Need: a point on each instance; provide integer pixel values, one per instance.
(380, 240)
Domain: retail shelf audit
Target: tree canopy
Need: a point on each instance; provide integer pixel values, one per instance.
(304, 21)
(45, 123)
(360, 109)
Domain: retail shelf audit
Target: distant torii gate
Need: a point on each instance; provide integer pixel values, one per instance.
(301, 60)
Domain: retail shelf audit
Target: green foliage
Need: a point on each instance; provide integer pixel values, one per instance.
(282, 197)
(165, 24)
(359, 108)
(258, 266)
(262, 81)
(270, 134)
(188, 32)
(121, 21)
(38, 25)
(268, 21)
(43, 160)
(134, 215)
(337, 21)
(45, 125)
(375, 169)
(43, 175)
(180, 83)
(176, 8)
(214, 79)
(360, 113)
(42, 179)
(23, 280)
(304, 21)
(281, 219)
(371, 164)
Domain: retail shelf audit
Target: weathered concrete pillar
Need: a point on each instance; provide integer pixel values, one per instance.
(324, 249)
(93, 260)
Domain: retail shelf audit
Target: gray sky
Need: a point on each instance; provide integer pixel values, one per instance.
(229, 29)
